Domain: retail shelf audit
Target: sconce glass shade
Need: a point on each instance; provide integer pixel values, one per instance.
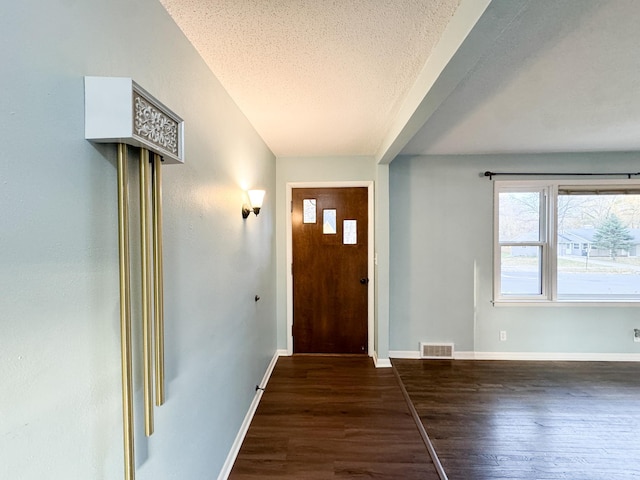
(256, 198)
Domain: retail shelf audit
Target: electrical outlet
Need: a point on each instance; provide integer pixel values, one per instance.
(503, 335)
(636, 334)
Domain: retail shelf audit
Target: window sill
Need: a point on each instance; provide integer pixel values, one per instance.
(566, 303)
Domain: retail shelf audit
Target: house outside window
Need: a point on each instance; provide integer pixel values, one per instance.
(567, 242)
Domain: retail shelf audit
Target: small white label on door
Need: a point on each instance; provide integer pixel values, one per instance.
(309, 210)
(350, 232)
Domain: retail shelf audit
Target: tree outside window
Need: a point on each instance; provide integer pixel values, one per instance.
(612, 235)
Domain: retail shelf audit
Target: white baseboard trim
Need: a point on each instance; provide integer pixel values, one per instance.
(410, 354)
(535, 356)
(380, 362)
(280, 353)
(415, 355)
(464, 355)
(559, 357)
(244, 427)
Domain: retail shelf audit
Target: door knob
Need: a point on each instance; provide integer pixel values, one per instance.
(364, 281)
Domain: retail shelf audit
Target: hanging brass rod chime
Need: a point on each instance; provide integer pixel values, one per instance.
(117, 110)
(158, 279)
(125, 312)
(145, 269)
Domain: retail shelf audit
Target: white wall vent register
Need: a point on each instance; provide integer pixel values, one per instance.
(436, 350)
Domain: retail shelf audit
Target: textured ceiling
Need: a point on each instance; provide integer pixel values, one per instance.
(316, 77)
(561, 77)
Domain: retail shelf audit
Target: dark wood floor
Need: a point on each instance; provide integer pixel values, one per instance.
(332, 417)
(529, 420)
(339, 417)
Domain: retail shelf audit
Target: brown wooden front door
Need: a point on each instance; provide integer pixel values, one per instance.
(329, 254)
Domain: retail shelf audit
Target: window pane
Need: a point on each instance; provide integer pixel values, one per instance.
(597, 277)
(329, 222)
(519, 216)
(598, 245)
(520, 270)
(309, 209)
(350, 232)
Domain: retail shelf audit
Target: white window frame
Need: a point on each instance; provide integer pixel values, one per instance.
(548, 240)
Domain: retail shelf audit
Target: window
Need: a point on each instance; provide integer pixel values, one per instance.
(559, 242)
(522, 242)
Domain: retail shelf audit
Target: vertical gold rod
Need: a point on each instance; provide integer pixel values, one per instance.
(125, 312)
(158, 278)
(147, 332)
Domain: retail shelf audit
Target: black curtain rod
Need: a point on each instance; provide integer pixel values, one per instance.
(582, 174)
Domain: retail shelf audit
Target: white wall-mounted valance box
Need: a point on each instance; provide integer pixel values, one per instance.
(118, 110)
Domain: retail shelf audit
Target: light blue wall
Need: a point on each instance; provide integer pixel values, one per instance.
(441, 229)
(60, 407)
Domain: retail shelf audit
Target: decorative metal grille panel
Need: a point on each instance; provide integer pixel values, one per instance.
(154, 125)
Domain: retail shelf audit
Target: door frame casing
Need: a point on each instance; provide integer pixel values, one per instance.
(369, 184)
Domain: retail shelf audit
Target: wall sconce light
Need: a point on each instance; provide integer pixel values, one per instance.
(255, 198)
